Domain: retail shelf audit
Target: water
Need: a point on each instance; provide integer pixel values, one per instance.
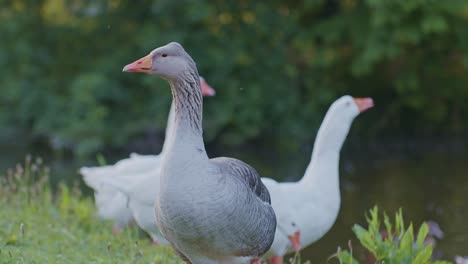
(427, 186)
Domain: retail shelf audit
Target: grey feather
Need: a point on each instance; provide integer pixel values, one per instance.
(249, 177)
(246, 174)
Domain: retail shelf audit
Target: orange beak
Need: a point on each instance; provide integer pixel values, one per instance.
(364, 103)
(206, 89)
(142, 65)
(296, 241)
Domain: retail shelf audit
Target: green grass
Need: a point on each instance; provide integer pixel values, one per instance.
(36, 227)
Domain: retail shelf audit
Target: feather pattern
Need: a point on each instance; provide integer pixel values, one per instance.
(245, 173)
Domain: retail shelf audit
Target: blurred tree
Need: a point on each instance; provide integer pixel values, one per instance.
(277, 67)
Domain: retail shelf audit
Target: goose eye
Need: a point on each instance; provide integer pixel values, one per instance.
(293, 224)
(164, 55)
(348, 103)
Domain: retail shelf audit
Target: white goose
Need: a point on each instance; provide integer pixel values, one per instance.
(315, 199)
(140, 197)
(210, 210)
(110, 202)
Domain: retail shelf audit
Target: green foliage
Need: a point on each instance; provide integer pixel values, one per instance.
(398, 245)
(38, 227)
(272, 63)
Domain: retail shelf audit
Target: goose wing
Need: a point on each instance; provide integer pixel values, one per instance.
(246, 174)
(256, 222)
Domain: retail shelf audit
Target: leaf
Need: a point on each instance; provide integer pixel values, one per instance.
(365, 238)
(407, 239)
(399, 224)
(374, 224)
(405, 249)
(101, 160)
(12, 240)
(422, 234)
(423, 256)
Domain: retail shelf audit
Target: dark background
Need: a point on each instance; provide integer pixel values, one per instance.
(276, 67)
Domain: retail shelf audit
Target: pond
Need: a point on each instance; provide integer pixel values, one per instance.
(428, 186)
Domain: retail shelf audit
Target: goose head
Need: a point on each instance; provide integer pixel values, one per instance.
(336, 124)
(169, 62)
(349, 107)
(341, 115)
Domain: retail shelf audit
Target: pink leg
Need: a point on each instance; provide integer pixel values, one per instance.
(155, 243)
(276, 260)
(256, 261)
